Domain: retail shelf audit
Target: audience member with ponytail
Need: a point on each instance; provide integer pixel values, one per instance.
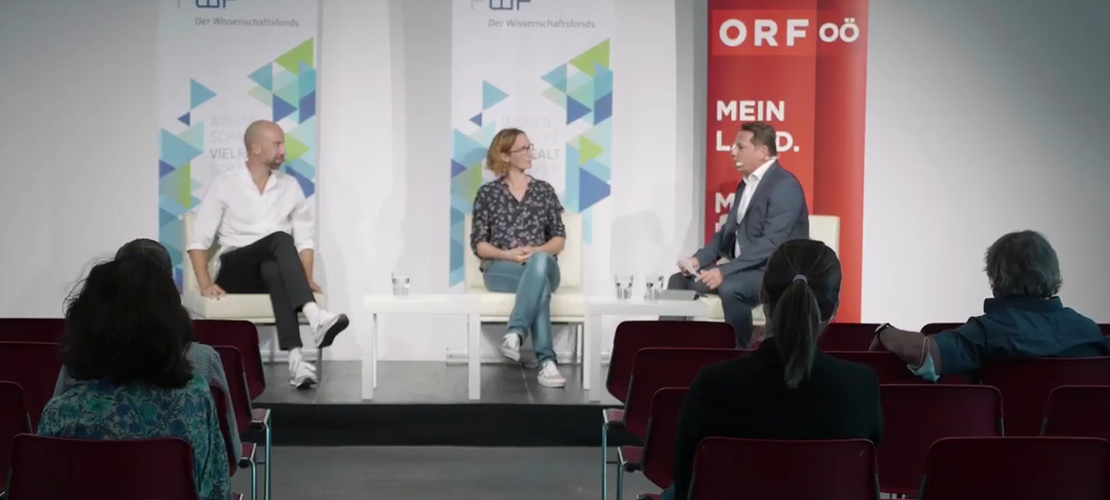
(787, 388)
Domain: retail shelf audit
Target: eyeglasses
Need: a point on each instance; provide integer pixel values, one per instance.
(531, 148)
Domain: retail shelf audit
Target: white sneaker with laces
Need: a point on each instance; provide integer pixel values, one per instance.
(327, 327)
(302, 374)
(549, 375)
(510, 346)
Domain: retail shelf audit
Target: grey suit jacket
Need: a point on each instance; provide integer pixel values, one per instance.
(776, 213)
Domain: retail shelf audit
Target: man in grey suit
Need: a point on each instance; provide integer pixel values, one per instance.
(769, 208)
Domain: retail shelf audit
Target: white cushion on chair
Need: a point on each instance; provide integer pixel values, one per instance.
(254, 307)
(568, 304)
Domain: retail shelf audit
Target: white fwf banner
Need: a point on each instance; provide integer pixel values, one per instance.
(542, 66)
(223, 64)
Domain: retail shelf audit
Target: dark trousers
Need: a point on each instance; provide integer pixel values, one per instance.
(270, 265)
(739, 293)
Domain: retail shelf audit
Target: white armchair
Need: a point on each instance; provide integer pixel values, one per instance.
(568, 304)
(253, 307)
(823, 228)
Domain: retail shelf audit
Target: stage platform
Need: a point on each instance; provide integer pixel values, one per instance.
(425, 403)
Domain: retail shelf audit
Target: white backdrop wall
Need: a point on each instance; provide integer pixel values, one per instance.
(975, 128)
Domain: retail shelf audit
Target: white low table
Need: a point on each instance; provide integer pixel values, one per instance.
(457, 304)
(596, 307)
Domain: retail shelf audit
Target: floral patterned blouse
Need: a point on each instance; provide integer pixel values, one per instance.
(502, 221)
(96, 409)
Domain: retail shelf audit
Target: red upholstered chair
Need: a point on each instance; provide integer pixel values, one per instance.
(887, 365)
(49, 468)
(935, 328)
(1026, 384)
(1105, 327)
(1017, 467)
(245, 417)
(242, 335)
(847, 336)
(13, 421)
(31, 329)
(656, 458)
(1078, 411)
(35, 367)
(631, 336)
(750, 468)
(916, 416)
(236, 459)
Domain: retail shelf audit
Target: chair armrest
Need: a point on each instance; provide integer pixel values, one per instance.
(260, 418)
(246, 457)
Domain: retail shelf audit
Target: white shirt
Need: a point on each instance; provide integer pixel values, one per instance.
(751, 182)
(234, 213)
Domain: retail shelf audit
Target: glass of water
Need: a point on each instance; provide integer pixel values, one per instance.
(624, 287)
(653, 287)
(400, 285)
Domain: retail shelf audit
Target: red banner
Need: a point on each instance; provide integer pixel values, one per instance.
(800, 65)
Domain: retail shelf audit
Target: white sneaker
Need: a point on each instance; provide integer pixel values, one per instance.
(510, 346)
(302, 374)
(549, 375)
(329, 325)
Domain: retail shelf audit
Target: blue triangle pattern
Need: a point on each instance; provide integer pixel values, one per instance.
(306, 185)
(308, 107)
(590, 190)
(557, 78)
(575, 110)
(198, 94)
(264, 76)
(165, 217)
(281, 108)
(306, 79)
(457, 168)
(491, 95)
(476, 119)
(185, 118)
(175, 151)
(603, 108)
(164, 169)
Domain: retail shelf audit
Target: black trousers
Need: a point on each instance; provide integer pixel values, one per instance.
(739, 293)
(270, 265)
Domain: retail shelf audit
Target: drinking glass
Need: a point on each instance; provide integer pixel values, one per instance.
(653, 287)
(400, 285)
(624, 287)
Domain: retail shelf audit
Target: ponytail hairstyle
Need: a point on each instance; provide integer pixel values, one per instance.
(801, 290)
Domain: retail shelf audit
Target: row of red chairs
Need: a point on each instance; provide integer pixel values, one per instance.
(35, 366)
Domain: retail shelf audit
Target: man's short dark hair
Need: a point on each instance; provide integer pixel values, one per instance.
(762, 135)
(125, 324)
(1023, 264)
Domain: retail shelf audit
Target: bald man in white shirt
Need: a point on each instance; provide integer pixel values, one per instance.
(264, 226)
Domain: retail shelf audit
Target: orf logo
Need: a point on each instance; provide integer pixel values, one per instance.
(499, 4)
(212, 4)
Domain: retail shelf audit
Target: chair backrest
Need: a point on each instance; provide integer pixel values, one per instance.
(847, 336)
(656, 368)
(1078, 411)
(221, 400)
(916, 416)
(1017, 467)
(570, 259)
(242, 335)
(187, 264)
(662, 435)
(13, 421)
(751, 468)
(49, 468)
(1105, 327)
(31, 329)
(236, 385)
(631, 336)
(826, 229)
(887, 365)
(1026, 384)
(35, 367)
(935, 328)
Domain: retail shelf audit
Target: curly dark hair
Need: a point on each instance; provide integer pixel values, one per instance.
(150, 249)
(125, 323)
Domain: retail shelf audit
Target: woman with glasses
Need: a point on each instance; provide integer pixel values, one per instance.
(517, 232)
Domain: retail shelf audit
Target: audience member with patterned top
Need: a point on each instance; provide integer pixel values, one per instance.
(517, 232)
(125, 343)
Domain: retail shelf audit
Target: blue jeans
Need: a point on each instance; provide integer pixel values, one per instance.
(532, 282)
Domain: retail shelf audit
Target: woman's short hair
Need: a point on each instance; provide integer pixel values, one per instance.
(1023, 264)
(801, 290)
(148, 248)
(125, 323)
(502, 144)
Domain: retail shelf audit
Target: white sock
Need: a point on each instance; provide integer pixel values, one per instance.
(312, 312)
(295, 356)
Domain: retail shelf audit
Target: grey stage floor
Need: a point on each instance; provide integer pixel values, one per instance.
(430, 472)
(427, 382)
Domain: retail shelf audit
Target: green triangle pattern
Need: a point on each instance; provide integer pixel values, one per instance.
(293, 148)
(466, 184)
(262, 95)
(290, 94)
(588, 150)
(556, 96)
(597, 54)
(584, 94)
(305, 52)
(194, 136)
